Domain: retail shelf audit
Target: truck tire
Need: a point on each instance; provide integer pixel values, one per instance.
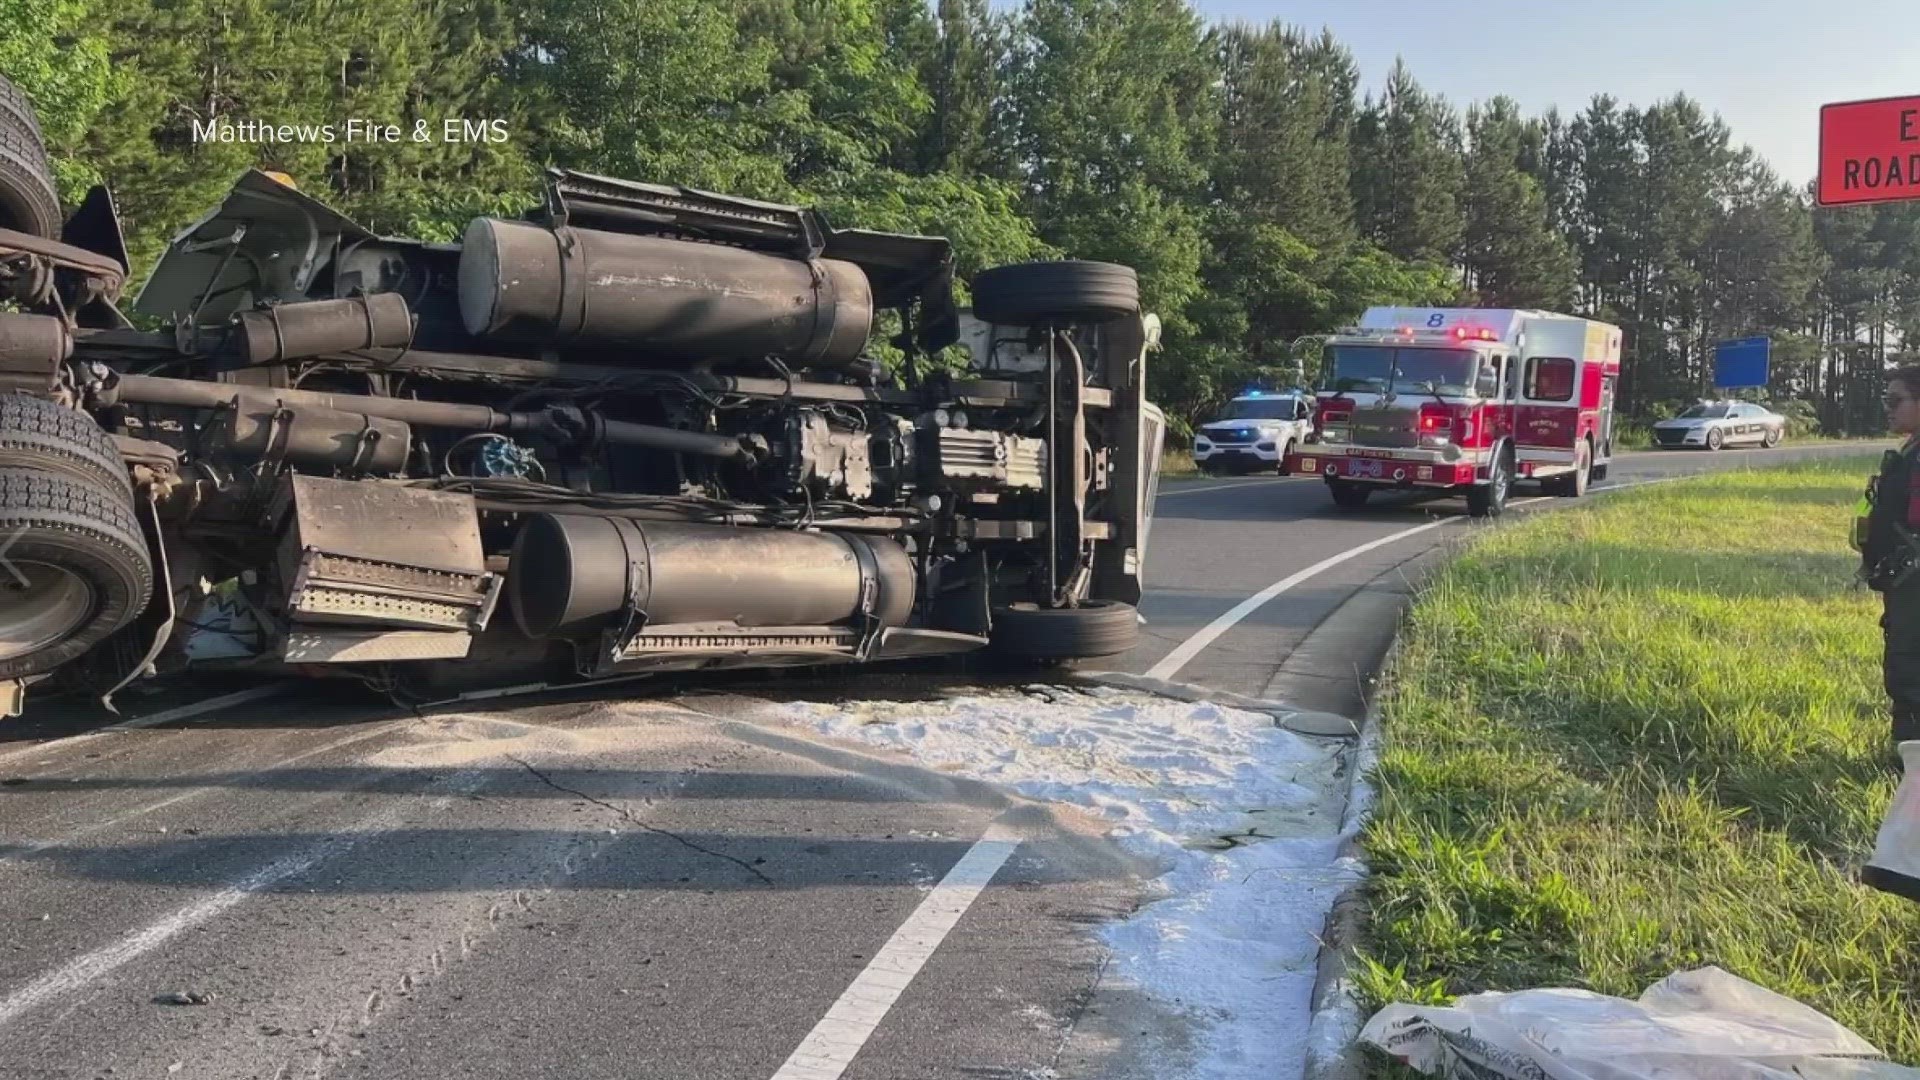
(1573, 485)
(1489, 500)
(74, 568)
(16, 109)
(40, 434)
(1095, 628)
(1029, 294)
(1348, 496)
(28, 202)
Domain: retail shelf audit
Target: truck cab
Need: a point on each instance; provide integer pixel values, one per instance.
(1467, 401)
(1256, 433)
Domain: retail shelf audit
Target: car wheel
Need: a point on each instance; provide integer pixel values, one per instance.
(1772, 438)
(74, 568)
(1489, 500)
(1714, 439)
(1349, 496)
(1095, 628)
(1030, 294)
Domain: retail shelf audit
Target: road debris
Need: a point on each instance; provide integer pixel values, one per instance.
(1706, 1024)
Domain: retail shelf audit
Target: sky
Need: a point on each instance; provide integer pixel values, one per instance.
(1766, 66)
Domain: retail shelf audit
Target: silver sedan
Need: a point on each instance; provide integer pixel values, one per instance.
(1712, 425)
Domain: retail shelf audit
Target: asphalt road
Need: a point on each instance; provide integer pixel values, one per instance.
(301, 885)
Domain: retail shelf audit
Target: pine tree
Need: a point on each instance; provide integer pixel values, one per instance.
(1407, 171)
(961, 76)
(1286, 124)
(1510, 252)
(1114, 118)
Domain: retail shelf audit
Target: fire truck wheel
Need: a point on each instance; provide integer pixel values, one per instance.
(1349, 496)
(27, 199)
(1095, 628)
(1029, 294)
(1574, 485)
(39, 434)
(74, 568)
(1489, 500)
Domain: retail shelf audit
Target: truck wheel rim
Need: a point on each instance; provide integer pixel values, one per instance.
(40, 606)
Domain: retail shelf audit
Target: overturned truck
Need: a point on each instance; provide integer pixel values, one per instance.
(645, 429)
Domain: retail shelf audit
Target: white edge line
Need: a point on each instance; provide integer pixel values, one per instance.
(1184, 653)
(1171, 664)
(82, 970)
(1254, 482)
(165, 716)
(832, 1044)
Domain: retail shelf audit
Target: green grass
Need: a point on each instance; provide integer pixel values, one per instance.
(1643, 736)
(1177, 464)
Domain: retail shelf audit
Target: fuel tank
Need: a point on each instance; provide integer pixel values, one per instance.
(575, 572)
(660, 298)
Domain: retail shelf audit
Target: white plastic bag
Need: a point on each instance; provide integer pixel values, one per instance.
(1701, 1025)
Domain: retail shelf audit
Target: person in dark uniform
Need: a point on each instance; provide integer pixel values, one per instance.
(1888, 536)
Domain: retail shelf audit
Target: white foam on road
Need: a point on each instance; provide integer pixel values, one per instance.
(1233, 941)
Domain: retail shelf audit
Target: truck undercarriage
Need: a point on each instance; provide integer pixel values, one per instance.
(645, 429)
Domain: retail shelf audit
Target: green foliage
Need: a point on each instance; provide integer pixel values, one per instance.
(664, 90)
(1262, 200)
(55, 51)
(1408, 173)
(1511, 253)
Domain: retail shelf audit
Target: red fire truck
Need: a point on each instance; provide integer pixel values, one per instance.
(1464, 399)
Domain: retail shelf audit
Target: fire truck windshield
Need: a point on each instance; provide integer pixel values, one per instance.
(1377, 369)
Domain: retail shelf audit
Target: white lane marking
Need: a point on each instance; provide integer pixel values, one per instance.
(165, 716)
(83, 970)
(1183, 653)
(830, 1047)
(34, 847)
(1230, 487)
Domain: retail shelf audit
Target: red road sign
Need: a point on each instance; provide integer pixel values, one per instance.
(1869, 151)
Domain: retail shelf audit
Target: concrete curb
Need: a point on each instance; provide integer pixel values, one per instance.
(1336, 1018)
(1298, 721)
